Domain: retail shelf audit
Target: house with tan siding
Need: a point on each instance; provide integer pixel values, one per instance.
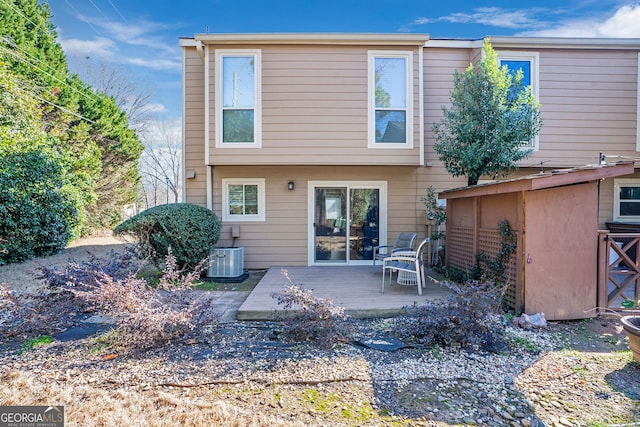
(313, 148)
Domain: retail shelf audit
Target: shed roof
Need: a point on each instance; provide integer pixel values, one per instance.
(547, 179)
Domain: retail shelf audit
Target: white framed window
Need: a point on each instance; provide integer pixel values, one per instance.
(527, 62)
(238, 98)
(390, 99)
(626, 199)
(243, 199)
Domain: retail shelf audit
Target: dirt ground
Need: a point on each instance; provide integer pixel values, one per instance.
(21, 276)
(591, 353)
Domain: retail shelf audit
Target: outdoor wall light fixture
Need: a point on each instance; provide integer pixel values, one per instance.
(291, 185)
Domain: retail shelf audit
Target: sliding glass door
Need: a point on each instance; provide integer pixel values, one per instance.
(346, 221)
(330, 224)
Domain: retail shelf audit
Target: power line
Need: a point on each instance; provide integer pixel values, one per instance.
(79, 14)
(33, 65)
(77, 115)
(81, 117)
(101, 12)
(45, 30)
(117, 10)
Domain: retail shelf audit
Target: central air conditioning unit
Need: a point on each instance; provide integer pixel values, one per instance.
(226, 262)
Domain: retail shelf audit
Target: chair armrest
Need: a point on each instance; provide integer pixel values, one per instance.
(376, 249)
(411, 254)
(408, 259)
(407, 249)
(383, 246)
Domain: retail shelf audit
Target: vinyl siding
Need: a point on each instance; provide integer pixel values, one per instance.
(588, 105)
(314, 109)
(193, 138)
(314, 106)
(439, 67)
(283, 238)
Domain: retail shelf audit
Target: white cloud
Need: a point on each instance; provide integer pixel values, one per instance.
(155, 133)
(139, 34)
(492, 16)
(154, 63)
(624, 23)
(154, 108)
(136, 44)
(100, 47)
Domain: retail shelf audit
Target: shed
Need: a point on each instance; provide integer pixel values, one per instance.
(554, 216)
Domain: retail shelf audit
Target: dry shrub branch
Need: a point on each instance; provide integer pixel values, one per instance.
(145, 316)
(308, 318)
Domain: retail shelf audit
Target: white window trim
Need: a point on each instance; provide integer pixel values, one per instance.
(382, 215)
(257, 131)
(534, 58)
(623, 182)
(226, 216)
(407, 56)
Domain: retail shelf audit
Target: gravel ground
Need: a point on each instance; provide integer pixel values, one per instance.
(548, 380)
(569, 374)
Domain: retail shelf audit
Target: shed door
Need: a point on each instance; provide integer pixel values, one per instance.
(561, 252)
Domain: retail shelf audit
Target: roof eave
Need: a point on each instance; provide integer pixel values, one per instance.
(315, 38)
(502, 42)
(555, 178)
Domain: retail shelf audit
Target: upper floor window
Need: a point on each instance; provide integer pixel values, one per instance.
(390, 99)
(626, 195)
(243, 199)
(238, 99)
(527, 62)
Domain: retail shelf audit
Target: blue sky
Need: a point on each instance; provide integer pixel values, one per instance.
(140, 38)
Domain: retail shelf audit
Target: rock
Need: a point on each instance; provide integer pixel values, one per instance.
(565, 422)
(507, 416)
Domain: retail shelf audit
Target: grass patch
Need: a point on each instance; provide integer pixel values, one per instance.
(105, 341)
(247, 285)
(151, 274)
(32, 343)
(522, 343)
(329, 402)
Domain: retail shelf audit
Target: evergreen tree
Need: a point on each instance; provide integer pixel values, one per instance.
(491, 117)
(85, 127)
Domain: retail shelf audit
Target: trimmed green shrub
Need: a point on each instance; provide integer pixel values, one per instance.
(190, 230)
(37, 213)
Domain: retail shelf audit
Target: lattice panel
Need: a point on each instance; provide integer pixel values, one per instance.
(489, 242)
(460, 247)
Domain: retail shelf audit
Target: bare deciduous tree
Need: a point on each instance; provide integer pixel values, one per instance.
(161, 163)
(130, 96)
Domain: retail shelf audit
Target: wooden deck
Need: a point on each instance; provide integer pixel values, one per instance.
(356, 288)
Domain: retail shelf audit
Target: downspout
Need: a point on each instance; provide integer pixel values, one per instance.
(207, 111)
(421, 100)
(519, 294)
(209, 187)
(183, 136)
(200, 49)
